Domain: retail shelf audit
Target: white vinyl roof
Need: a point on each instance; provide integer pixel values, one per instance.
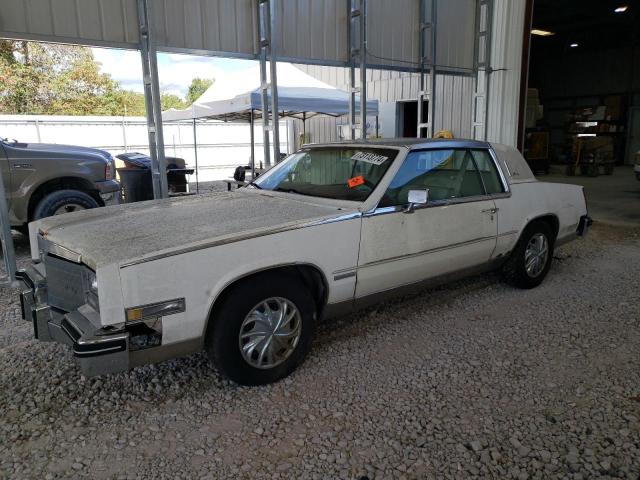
(233, 96)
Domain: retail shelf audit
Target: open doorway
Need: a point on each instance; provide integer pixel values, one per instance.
(408, 117)
(582, 85)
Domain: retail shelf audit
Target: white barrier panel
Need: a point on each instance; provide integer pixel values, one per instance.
(221, 146)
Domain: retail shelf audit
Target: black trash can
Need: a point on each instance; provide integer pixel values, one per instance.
(136, 184)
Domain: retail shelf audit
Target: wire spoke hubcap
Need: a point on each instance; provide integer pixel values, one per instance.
(270, 332)
(536, 255)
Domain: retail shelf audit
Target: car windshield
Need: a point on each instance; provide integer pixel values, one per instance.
(341, 173)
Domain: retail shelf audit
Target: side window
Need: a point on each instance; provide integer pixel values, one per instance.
(489, 171)
(446, 173)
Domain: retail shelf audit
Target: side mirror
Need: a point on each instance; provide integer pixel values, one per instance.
(416, 197)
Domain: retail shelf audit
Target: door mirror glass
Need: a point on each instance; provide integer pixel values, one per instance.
(418, 197)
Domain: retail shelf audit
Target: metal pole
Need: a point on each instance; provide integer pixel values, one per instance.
(264, 85)
(274, 82)
(304, 128)
(253, 151)
(152, 102)
(195, 154)
(488, 67)
(432, 74)
(352, 13)
(363, 69)
(6, 239)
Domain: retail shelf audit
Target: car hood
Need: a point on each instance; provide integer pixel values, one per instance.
(138, 232)
(58, 149)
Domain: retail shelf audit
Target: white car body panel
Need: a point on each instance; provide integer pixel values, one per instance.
(398, 248)
(199, 276)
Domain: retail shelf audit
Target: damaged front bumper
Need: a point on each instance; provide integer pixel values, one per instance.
(98, 350)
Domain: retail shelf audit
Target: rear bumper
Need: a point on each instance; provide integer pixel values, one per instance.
(97, 350)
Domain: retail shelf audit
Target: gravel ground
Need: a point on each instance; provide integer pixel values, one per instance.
(475, 379)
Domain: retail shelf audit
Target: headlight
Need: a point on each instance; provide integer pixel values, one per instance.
(93, 283)
(91, 289)
(110, 169)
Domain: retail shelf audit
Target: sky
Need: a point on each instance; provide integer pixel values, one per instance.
(174, 70)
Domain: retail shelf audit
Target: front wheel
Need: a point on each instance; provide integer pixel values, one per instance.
(63, 201)
(531, 259)
(262, 329)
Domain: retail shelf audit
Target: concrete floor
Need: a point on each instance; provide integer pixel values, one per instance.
(614, 199)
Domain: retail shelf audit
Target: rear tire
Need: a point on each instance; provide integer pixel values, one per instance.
(516, 271)
(231, 328)
(63, 201)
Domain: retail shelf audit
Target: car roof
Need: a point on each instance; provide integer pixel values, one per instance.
(409, 143)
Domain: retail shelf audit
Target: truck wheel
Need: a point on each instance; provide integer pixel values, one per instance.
(63, 201)
(531, 259)
(262, 330)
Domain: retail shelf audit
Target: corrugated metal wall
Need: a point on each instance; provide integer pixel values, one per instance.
(454, 95)
(309, 31)
(504, 86)
(205, 25)
(88, 22)
(315, 31)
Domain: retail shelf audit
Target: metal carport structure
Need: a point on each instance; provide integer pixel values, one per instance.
(323, 32)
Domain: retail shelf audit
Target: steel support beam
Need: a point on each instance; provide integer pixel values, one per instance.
(253, 146)
(195, 154)
(482, 68)
(357, 36)
(8, 253)
(152, 102)
(273, 64)
(428, 67)
(270, 117)
(363, 69)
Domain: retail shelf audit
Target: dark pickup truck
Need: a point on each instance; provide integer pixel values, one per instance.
(42, 180)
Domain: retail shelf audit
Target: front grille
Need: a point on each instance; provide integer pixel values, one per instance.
(65, 283)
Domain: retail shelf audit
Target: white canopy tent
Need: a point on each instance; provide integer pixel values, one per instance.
(238, 97)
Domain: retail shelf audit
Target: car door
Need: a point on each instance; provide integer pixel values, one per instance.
(454, 231)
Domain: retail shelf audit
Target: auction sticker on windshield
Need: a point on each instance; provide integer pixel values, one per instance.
(370, 157)
(355, 181)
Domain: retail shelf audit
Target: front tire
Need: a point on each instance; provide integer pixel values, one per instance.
(531, 259)
(262, 329)
(63, 201)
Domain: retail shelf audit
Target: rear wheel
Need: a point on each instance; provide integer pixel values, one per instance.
(63, 201)
(262, 329)
(531, 259)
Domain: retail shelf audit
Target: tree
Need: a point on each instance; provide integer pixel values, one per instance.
(169, 100)
(49, 79)
(197, 88)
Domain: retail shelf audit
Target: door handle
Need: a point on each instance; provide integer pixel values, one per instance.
(490, 210)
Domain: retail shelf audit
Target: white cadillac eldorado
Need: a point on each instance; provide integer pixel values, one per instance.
(247, 275)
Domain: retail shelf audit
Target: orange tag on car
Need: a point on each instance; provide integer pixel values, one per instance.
(355, 181)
